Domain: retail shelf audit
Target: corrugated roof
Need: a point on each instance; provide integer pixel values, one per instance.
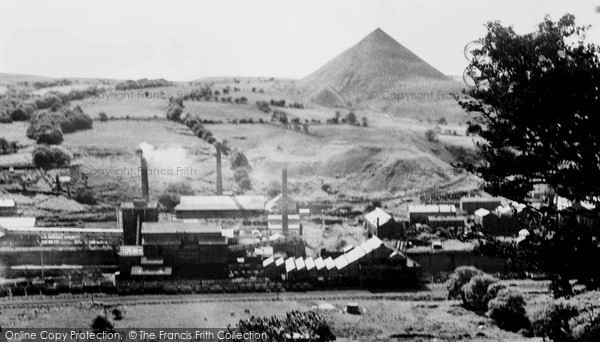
(63, 230)
(180, 227)
(366, 247)
(279, 218)
(377, 214)
(300, 264)
(329, 263)
(275, 226)
(432, 208)
(481, 212)
(374, 242)
(7, 202)
(16, 222)
(268, 261)
(319, 263)
(290, 265)
(279, 262)
(310, 263)
(341, 262)
(199, 203)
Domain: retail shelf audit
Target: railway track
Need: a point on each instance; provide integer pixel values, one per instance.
(435, 292)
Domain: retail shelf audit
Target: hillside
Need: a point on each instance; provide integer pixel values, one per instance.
(380, 74)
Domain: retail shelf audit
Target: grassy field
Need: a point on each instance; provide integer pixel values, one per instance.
(381, 319)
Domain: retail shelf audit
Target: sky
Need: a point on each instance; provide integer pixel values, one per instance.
(184, 40)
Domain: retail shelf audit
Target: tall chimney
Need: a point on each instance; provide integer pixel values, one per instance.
(219, 171)
(144, 174)
(284, 214)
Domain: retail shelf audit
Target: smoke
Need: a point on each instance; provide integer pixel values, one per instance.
(165, 161)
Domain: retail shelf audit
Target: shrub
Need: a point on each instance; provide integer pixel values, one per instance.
(442, 121)
(103, 117)
(102, 324)
(50, 136)
(351, 118)
(280, 116)
(49, 101)
(75, 120)
(85, 196)
(263, 106)
(242, 179)
(364, 122)
(461, 276)
(8, 147)
(508, 310)
(117, 314)
(430, 135)
(552, 320)
(239, 160)
(47, 157)
(22, 112)
(475, 292)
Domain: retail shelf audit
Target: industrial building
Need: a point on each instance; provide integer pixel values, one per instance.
(503, 223)
(420, 213)
(472, 204)
(369, 264)
(8, 207)
(383, 225)
(220, 207)
(446, 221)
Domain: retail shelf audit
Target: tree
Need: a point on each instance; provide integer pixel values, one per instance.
(430, 135)
(47, 157)
(460, 277)
(536, 104)
(103, 117)
(102, 324)
(508, 310)
(351, 118)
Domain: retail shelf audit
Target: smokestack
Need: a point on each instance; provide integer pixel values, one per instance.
(144, 174)
(284, 214)
(284, 182)
(219, 171)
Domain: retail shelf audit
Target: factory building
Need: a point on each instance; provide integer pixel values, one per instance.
(472, 204)
(446, 221)
(132, 215)
(369, 264)
(220, 207)
(384, 226)
(27, 251)
(420, 213)
(498, 223)
(8, 207)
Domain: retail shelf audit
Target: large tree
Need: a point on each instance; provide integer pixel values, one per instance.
(536, 106)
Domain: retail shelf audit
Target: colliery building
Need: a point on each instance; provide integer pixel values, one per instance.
(215, 207)
(383, 225)
(420, 213)
(472, 204)
(446, 221)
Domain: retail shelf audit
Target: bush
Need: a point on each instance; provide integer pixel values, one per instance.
(50, 136)
(103, 117)
(475, 292)
(460, 277)
(102, 324)
(47, 157)
(49, 101)
(263, 106)
(239, 160)
(351, 118)
(8, 147)
(552, 320)
(75, 120)
(117, 314)
(242, 179)
(22, 112)
(85, 196)
(430, 135)
(508, 310)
